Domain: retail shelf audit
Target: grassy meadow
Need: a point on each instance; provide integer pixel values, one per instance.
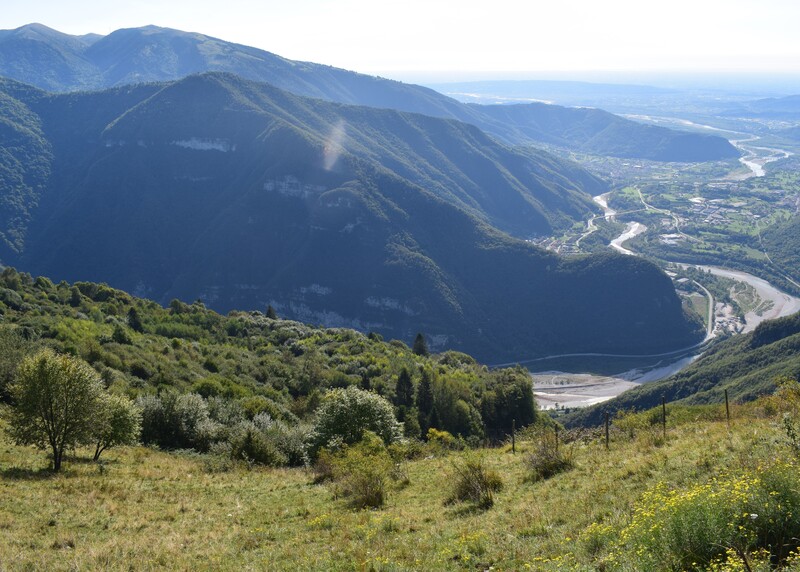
(143, 509)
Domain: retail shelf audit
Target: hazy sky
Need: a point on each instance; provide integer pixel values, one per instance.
(389, 37)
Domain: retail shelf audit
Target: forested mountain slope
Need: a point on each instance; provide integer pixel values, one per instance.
(243, 195)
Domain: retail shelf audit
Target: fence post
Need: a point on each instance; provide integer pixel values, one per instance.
(606, 430)
(727, 410)
(556, 438)
(664, 416)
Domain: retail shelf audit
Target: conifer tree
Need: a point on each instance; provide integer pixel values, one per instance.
(134, 320)
(424, 402)
(420, 346)
(425, 393)
(404, 391)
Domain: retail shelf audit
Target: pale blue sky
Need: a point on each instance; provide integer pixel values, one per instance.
(391, 37)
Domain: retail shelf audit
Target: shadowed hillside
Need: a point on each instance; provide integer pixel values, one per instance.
(243, 195)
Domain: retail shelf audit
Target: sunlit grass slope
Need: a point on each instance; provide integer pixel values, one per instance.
(620, 508)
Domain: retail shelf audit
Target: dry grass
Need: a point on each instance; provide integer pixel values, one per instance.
(153, 510)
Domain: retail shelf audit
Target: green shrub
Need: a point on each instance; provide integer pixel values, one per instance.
(176, 421)
(292, 441)
(361, 472)
(121, 335)
(443, 441)
(547, 458)
(10, 298)
(208, 387)
(250, 444)
(347, 414)
(474, 482)
(323, 466)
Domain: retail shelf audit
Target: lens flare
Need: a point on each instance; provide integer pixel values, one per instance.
(334, 145)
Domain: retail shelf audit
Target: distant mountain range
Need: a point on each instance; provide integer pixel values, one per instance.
(598, 132)
(244, 195)
(53, 61)
(770, 108)
(571, 93)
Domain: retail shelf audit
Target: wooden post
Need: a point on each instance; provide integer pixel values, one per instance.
(513, 436)
(606, 429)
(727, 409)
(664, 416)
(556, 438)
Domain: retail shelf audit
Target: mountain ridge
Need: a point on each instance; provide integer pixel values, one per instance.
(151, 53)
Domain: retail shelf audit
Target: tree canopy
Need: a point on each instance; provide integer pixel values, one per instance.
(57, 403)
(347, 413)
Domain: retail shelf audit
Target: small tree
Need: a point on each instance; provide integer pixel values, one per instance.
(420, 346)
(404, 390)
(425, 393)
(75, 297)
(57, 401)
(271, 313)
(347, 413)
(424, 402)
(134, 320)
(119, 423)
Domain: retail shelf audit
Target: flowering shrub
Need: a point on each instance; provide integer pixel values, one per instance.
(707, 523)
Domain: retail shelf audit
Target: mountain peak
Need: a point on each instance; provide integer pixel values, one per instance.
(36, 31)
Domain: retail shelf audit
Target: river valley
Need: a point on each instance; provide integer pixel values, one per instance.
(559, 389)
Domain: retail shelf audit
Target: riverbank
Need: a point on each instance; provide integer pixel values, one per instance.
(779, 303)
(558, 389)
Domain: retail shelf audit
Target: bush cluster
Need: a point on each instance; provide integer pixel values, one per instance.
(142, 349)
(222, 426)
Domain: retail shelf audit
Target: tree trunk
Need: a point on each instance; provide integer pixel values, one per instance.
(97, 451)
(57, 460)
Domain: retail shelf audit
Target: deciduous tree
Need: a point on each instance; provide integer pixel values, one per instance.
(119, 423)
(57, 403)
(347, 413)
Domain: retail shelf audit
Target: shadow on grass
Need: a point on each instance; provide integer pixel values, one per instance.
(468, 509)
(84, 460)
(20, 474)
(44, 473)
